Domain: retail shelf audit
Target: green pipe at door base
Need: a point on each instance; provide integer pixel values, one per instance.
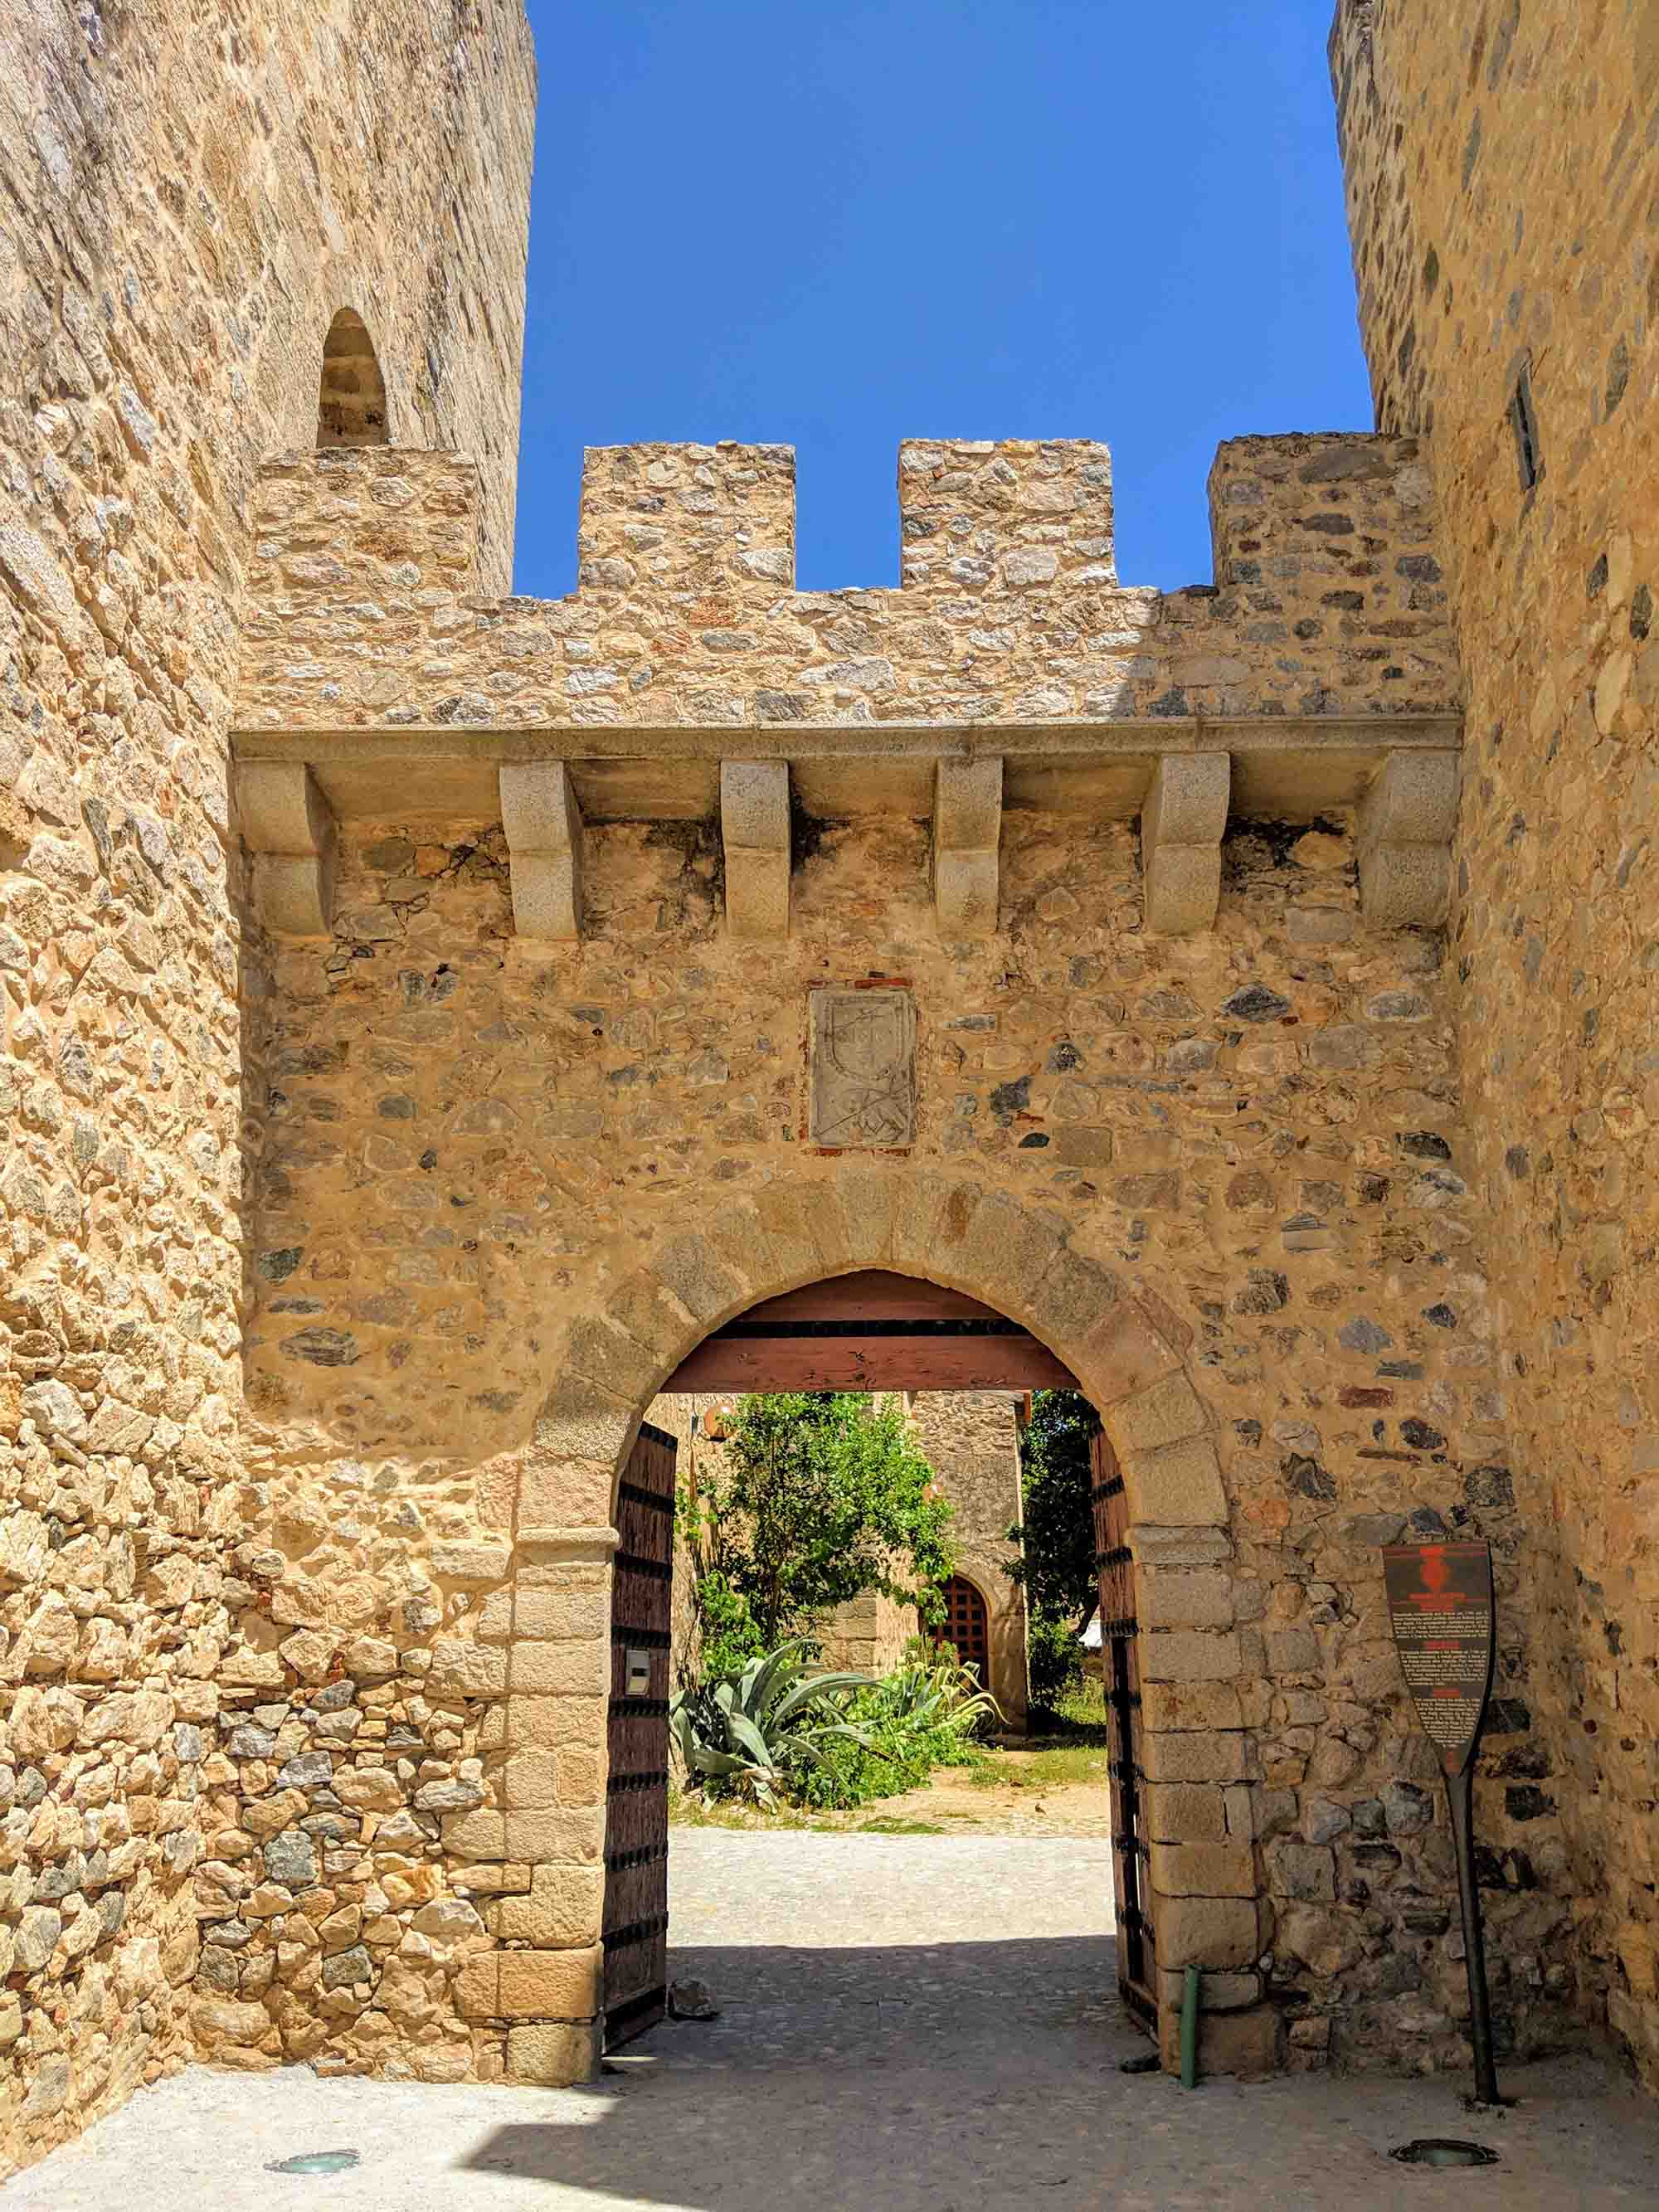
(1189, 2030)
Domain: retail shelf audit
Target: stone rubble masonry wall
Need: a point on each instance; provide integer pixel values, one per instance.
(1326, 599)
(190, 195)
(506, 1188)
(1518, 224)
(971, 1440)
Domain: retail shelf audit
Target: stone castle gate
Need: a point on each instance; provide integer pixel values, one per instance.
(410, 1001)
(632, 959)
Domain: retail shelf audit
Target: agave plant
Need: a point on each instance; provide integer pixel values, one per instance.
(746, 1728)
(937, 1691)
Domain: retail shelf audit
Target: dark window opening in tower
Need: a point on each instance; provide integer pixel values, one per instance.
(351, 408)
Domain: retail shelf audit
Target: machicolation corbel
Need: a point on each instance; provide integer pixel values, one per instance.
(1406, 820)
(755, 831)
(967, 832)
(542, 824)
(287, 826)
(1182, 821)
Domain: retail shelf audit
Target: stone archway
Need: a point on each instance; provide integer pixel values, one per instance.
(634, 1321)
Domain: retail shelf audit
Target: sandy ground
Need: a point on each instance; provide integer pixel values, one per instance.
(947, 1801)
(952, 1804)
(908, 2024)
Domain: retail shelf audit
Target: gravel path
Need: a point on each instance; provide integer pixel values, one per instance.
(909, 2024)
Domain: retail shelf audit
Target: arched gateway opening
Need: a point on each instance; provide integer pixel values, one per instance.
(868, 1330)
(760, 1271)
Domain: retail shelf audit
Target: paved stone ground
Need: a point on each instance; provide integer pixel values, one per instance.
(910, 2024)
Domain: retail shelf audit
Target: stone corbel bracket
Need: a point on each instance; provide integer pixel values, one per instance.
(286, 825)
(1407, 821)
(1182, 821)
(967, 832)
(542, 824)
(755, 832)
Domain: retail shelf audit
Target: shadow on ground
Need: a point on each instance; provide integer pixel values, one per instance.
(929, 2075)
(956, 2077)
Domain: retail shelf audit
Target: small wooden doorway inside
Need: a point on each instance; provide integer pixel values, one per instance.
(966, 1625)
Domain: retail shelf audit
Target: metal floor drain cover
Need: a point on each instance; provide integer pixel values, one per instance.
(1442, 2150)
(315, 2161)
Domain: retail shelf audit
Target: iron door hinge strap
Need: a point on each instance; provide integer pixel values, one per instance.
(637, 1931)
(658, 1501)
(630, 1563)
(645, 1854)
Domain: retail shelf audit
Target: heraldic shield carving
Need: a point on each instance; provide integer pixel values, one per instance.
(863, 1068)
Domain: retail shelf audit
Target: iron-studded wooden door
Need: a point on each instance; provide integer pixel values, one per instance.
(1137, 1967)
(636, 1809)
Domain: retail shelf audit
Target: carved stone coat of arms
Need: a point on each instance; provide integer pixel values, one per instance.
(863, 1068)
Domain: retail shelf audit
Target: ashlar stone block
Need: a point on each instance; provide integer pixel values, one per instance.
(1181, 824)
(754, 832)
(1247, 2042)
(555, 1721)
(1221, 1933)
(1203, 1870)
(1185, 1597)
(1190, 1654)
(1217, 1755)
(1177, 1484)
(568, 1834)
(572, 1668)
(287, 826)
(1169, 1412)
(543, 825)
(1185, 1812)
(1181, 1706)
(553, 2054)
(549, 1984)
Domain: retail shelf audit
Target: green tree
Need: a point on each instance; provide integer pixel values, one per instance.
(819, 1497)
(1055, 1536)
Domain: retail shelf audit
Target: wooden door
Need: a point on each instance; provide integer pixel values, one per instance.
(1137, 1967)
(636, 1808)
(966, 1626)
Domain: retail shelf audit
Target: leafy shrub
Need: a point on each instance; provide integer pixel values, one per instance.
(1055, 1659)
(776, 1731)
(814, 1497)
(930, 1713)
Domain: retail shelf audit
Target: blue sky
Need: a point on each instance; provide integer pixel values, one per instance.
(835, 226)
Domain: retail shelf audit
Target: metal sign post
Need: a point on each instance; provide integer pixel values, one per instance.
(1440, 1604)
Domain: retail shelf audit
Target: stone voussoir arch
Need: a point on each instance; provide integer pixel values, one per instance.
(653, 1306)
(636, 1315)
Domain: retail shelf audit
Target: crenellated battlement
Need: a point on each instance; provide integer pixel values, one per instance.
(1009, 654)
(1327, 597)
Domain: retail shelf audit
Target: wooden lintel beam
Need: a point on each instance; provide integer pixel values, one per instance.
(871, 1361)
